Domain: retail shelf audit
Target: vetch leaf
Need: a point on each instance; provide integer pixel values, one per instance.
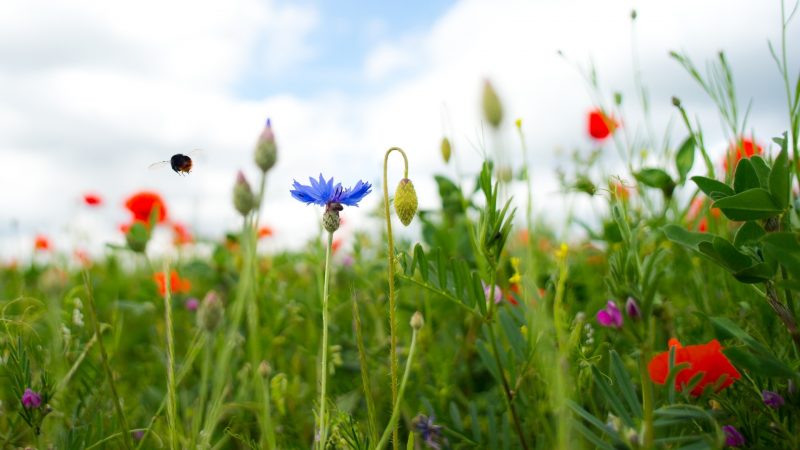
(748, 234)
(745, 177)
(762, 170)
(715, 189)
(780, 177)
(685, 237)
(684, 159)
(784, 247)
(753, 204)
(655, 178)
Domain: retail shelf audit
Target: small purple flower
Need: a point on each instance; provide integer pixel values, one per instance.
(772, 399)
(610, 316)
(31, 399)
(632, 309)
(192, 304)
(487, 291)
(137, 435)
(430, 434)
(325, 193)
(732, 436)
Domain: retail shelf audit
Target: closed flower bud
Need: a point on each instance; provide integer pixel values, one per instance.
(243, 199)
(264, 369)
(447, 150)
(137, 237)
(210, 313)
(266, 150)
(405, 201)
(417, 321)
(676, 102)
(632, 309)
(330, 219)
(492, 108)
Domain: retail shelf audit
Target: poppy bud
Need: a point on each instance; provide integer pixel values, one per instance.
(211, 311)
(417, 321)
(264, 369)
(330, 220)
(492, 108)
(266, 150)
(676, 102)
(446, 150)
(243, 199)
(405, 201)
(137, 237)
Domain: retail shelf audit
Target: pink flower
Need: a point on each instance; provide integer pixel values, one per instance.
(192, 304)
(611, 316)
(31, 399)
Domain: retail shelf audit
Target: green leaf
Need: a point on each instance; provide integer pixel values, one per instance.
(765, 365)
(685, 237)
(780, 177)
(757, 273)
(745, 177)
(625, 385)
(748, 234)
(784, 248)
(716, 190)
(753, 204)
(733, 258)
(455, 417)
(655, 178)
(762, 170)
(612, 399)
(684, 159)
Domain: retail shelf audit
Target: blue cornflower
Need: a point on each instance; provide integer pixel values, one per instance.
(431, 434)
(325, 193)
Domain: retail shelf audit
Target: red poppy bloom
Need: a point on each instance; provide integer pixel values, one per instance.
(177, 285)
(42, 243)
(142, 204)
(745, 148)
(181, 234)
(92, 199)
(600, 125)
(707, 359)
(264, 231)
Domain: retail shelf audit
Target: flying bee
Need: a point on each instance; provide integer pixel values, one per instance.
(180, 163)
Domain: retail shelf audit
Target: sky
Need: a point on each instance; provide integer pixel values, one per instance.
(92, 92)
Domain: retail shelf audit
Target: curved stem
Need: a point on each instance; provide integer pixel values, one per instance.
(391, 427)
(391, 267)
(323, 371)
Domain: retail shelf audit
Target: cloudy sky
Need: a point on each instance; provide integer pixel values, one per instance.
(92, 92)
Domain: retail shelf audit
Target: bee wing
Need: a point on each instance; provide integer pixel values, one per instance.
(197, 154)
(158, 165)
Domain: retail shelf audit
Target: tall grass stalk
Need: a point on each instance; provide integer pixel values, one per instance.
(362, 359)
(390, 272)
(127, 440)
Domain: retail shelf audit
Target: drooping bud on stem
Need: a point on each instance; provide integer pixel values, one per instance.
(266, 149)
(405, 201)
(446, 150)
(492, 108)
(243, 199)
(330, 219)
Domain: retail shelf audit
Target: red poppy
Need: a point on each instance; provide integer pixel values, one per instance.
(142, 204)
(181, 234)
(707, 359)
(337, 243)
(513, 289)
(600, 125)
(92, 199)
(177, 285)
(42, 243)
(264, 231)
(745, 148)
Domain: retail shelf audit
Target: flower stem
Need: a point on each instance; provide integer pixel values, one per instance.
(391, 269)
(362, 358)
(126, 436)
(391, 427)
(647, 395)
(323, 372)
(172, 404)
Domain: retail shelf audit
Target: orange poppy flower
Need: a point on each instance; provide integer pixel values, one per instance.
(142, 204)
(177, 285)
(707, 359)
(600, 125)
(264, 231)
(337, 243)
(42, 243)
(92, 199)
(181, 234)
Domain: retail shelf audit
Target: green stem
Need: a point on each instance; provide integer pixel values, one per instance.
(126, 439)
(322, 427)
(391, 427)
(647, 395)
(509, 396)
(362, 359)
(205, 372)
(391, 269)
(172, 404)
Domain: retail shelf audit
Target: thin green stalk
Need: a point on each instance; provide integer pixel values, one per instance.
(172, 404)
(391, 427)
(362, 359)
(322, 426)
(391, 269)
(205, 372)
(126, 438)
(647, 390)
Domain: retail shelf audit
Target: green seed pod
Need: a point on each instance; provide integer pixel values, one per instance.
(446, 150)
(266, 153)
(405, 201)
(210, 313)
(330, 220)
(243, 199)
(137, 237)
(492, 108)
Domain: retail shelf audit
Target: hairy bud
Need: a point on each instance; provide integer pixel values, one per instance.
(266, 153)
(243, 199)
(492, 108)
(405, 201)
